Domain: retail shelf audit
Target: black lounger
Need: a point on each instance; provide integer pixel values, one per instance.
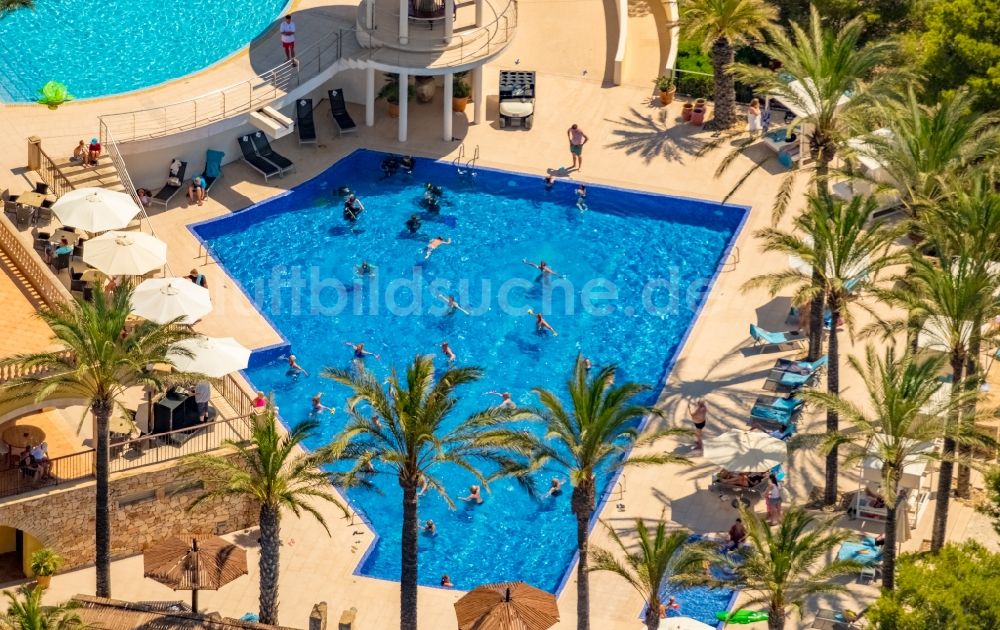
(304, 122)
(254, 161)
(165, 194)
(338, 107)
(263, 148)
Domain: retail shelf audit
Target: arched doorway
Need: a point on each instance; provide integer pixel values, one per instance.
(16, 547)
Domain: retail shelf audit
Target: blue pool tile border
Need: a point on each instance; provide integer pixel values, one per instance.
(262, 356)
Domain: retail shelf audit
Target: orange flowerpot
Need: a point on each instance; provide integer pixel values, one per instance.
(698, 116)
(686, 111)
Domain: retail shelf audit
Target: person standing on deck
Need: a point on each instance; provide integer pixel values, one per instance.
(287, 30)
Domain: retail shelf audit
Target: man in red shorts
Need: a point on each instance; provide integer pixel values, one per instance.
(287, 30)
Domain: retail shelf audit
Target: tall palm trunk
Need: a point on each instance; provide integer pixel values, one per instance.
(723, 57)
(102, 519)
(408, 576)
(583, 508)
(889, 546)
(940, 527)
(652, 619)
(270, 550)
(816, 322)
(964, 476)
(833, 388)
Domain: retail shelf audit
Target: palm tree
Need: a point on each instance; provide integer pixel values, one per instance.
(779, 566)
(927, 143)
(594, 436)
(272, 471)
(656, 560)
(26, 612)
(407, 436)
(825, 64)
(895, 427)
(943, 297)
(722, 25)
(93, 359)
(845, 255)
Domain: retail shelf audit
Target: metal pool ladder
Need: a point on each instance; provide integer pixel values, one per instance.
(457, 162)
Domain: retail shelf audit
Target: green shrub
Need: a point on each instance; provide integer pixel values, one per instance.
(691, 58)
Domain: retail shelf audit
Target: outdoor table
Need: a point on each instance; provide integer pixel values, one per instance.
(32, 199)
(23, 435)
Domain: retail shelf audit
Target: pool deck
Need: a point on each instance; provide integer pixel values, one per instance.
(634, 143)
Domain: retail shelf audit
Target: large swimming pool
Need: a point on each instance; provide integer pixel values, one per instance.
(101, 48)
(635, 266)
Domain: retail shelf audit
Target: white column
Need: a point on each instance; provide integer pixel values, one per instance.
(477, 95)
(404, 103)
(370, 14)
(370, 96)
(449, 20)
(479, 13)
(449, 117)
(404, 22)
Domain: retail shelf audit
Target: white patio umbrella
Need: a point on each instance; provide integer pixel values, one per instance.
(162, 300)
(125, 253)
(803, 267)
(684, 623)
(745, 451)
(212, 356)
(95, 209)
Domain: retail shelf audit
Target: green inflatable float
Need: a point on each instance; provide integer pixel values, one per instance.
(53, 94)
(741, 616)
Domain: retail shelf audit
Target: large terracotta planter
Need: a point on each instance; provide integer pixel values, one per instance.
(393, 109)
(686, 111)
(43, 581)
(699, 102)
(667, 96)
(698, 116)
(458, 104)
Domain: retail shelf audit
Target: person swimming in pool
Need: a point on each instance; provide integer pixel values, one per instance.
(448, 352)
(353, 208)
(505, 400)
(430, 528)
(319, 407)
(294, 368)
(364, 269)
(376, 421)
(550, 181)
(359, 351)
(389, 166)
(452, 303)
(423, 484)
(587, 365)
(446, 581)
(581, 198)
(433, 189)
(542, 326)
(407, 163)
(413, 224)
(544, 271)
(474, 496)
(431, 203)
(434, 243)
(555, 487)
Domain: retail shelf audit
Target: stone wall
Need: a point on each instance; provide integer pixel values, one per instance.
(148, 505)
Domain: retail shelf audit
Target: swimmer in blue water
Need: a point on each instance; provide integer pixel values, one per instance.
(430, 528)
(344, 192)
(448, 352)
(433, 189)
(474, 496)
(452, 303)
(413, 224)
(389, 166)
(365, 269)
(541, 326)
(407, 164)
(353, 208)
(544, 271)
(431, 203)
(318, 406)
(581, 198)
(550, 181)
(359, 351)
(294, 369)
(505, 400)
(555, 488)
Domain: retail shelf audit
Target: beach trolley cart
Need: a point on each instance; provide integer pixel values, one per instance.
(517, 98)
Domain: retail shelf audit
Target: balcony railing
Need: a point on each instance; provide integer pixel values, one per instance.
(235, 100)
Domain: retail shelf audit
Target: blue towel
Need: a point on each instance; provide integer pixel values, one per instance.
(213, 162)
(859, 552)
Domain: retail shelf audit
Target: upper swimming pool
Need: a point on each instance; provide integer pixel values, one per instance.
(104, 48)
(635, 267)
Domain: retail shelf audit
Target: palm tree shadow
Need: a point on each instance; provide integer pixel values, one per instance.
(650, 136)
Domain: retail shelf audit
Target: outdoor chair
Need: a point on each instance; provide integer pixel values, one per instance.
(165, 194)
(766, 338)
(254, 161)
(213, 168)
(263, 148)
(304, 122)
(338, 108)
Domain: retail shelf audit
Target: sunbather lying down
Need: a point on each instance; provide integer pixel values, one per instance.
(742, 479)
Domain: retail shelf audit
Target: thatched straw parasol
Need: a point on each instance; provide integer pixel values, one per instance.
(194, 563)
(506, 606)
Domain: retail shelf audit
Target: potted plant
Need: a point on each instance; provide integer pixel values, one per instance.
(666, 87)
(698, 115)
(44, 563)
(460, 92)
(424, 88)
(390, 92)
(686, 110)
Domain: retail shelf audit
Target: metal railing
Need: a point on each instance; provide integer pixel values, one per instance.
(464, 46)
(62, 470)
(240, 98)
(47, 286)
(237, 396)
(52, 175)
(110, 145)
(163, 447)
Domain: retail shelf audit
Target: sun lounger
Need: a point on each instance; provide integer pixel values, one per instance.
(802, 367)
(213, 168)
(263, 148)
(304, 122)
(254, 161)
(766, 338)
(776, 409)
(338, 107)
(165, 194)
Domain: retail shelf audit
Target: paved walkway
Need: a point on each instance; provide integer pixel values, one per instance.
(20, 328)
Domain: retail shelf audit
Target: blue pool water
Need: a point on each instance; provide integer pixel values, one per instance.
(295, 256)
(698, 602)
(101, 48)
